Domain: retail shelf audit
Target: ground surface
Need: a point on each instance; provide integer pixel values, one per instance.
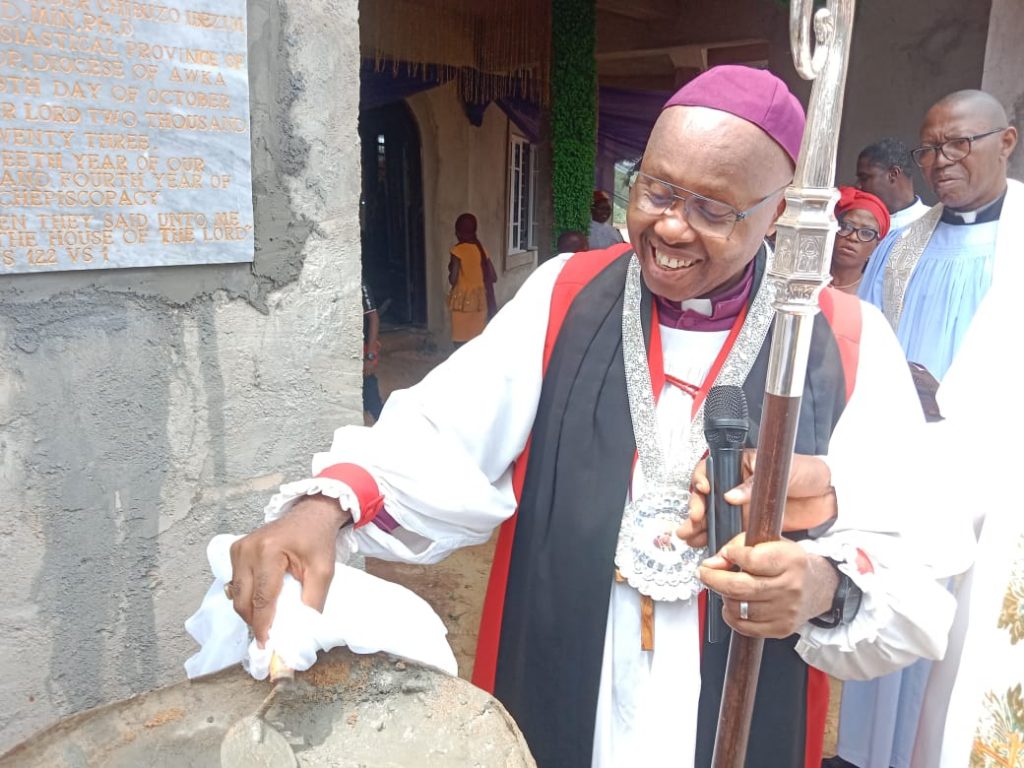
(455, 587)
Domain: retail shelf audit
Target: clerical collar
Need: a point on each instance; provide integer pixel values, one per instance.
(717, 313)
(984, 215)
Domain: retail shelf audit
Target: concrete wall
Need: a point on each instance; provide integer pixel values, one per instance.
(1004, 65)
(143, 411)
(464, 170)
(906, 56)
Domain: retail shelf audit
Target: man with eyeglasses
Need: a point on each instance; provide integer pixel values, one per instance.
(593, 632)
(930, 281)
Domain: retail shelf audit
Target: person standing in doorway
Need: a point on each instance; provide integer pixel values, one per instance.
(472, 277)
(372, 402)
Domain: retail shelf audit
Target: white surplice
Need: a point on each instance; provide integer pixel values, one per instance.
(908, 215)
(442, 455)
(879, 720)
(974, 706)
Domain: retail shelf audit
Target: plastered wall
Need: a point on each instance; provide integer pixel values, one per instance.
(1004, 68)
(144, 411)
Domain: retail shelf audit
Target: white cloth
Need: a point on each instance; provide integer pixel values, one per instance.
(442, 454)
(363, 612)
(878, 724)
(980, 399)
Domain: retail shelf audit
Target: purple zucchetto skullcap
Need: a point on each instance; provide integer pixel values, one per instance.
(756, 95)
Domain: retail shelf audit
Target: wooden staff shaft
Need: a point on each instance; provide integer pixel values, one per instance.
(806, 231)
(768, 503)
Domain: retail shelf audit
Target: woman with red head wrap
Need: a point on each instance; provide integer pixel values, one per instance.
(863, 222)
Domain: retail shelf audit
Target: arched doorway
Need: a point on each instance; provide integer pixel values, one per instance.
(392, 216)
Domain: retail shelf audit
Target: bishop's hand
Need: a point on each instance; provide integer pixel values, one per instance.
(302, 543)
(779, 587)
(810, 502)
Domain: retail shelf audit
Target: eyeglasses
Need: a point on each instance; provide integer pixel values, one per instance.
(863, 234)
(953, 149)
(707, 216)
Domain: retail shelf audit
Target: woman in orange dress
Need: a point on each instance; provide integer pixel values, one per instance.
(472, 278)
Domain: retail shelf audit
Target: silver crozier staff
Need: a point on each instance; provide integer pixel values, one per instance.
(800, 271)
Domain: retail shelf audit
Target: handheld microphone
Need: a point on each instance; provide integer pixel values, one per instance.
(726, 425)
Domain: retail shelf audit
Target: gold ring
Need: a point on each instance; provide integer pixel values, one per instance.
(229, 591)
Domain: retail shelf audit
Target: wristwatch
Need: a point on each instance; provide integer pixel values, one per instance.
(370, 356)
(845, 602)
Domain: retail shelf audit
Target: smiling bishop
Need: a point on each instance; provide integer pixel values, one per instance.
(574, 422)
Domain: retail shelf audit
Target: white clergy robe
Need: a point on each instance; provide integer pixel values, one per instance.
(973, 711)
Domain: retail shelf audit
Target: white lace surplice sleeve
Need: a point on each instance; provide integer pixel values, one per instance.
(442, 451)
(886, 537)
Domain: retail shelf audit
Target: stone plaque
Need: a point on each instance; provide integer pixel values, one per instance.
(124, 134)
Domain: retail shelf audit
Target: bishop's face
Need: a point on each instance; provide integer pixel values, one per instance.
(720, 157)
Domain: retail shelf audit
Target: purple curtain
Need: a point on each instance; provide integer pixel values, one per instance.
(625, 117)
(384, 87)
(625, 121)
(379, 88)
(525, 115)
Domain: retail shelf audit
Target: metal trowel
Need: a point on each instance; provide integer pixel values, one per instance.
(252, 742)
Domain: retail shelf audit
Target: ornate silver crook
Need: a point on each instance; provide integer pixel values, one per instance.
(809, 64)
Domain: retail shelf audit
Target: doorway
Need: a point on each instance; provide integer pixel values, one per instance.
(394, 265)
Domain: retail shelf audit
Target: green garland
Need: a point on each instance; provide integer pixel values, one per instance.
(573, 111)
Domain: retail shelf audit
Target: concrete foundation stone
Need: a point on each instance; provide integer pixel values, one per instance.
(348, 711)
